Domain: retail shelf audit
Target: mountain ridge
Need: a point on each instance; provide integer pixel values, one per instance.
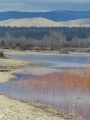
(59, 15)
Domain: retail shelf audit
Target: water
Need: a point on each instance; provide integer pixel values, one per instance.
(72, 60)
(53, 89)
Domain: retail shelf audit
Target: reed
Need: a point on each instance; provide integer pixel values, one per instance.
(63, 89)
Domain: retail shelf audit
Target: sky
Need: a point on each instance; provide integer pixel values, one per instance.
(44, 5)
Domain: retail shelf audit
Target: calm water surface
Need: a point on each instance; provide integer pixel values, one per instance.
(72, 60)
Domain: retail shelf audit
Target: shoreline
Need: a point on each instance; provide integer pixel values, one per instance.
(44, 52)
(10, 66)
(12, 109)
(10, 52)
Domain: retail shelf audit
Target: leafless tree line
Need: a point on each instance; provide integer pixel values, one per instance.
(55, 40)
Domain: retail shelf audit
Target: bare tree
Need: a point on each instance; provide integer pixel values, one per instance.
(54, 40)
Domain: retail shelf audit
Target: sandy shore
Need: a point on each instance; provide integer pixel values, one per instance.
(13, 109)
(30, 52)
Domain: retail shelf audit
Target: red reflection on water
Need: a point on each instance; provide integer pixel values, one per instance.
(71, 79)
(68, 82)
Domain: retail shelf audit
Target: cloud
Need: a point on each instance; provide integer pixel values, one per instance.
(43, 5)
(29, 1)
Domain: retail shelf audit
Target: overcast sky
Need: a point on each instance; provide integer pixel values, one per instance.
(44, 5)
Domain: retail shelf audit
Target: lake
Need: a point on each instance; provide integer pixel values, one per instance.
(61, 89)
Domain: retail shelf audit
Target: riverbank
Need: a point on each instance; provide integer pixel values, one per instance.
(62, 51)
(15, 110)
(11, 109)
(29, 52)
(9, 66)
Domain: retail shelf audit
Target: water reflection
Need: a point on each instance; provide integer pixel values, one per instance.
(59, 89)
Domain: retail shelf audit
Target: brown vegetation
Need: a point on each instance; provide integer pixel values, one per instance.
(2, 54)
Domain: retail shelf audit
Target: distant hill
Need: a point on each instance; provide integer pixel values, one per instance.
(43, 22)
(52, 15)
(30, 22)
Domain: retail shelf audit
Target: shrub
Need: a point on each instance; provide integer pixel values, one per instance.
(2, 54)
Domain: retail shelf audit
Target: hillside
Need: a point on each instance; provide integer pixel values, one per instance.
(29, 22)
(43, 22)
